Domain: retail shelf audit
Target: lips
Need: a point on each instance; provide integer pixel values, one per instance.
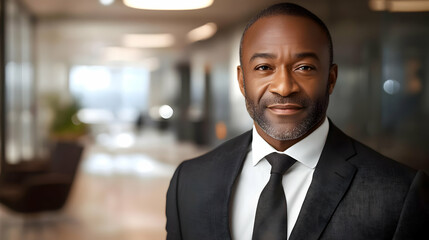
(285, 109)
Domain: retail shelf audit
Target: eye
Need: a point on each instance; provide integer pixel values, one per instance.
(305, 68)
(262, 68)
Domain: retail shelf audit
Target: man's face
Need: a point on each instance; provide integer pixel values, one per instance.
(285, 76)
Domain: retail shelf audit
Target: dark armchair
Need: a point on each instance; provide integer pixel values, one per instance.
(48, 190)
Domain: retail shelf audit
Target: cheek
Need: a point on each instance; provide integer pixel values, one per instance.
(256, 89)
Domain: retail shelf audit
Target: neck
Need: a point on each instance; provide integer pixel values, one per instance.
(282, 145)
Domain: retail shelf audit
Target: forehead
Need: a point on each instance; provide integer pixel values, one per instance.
(285, 32)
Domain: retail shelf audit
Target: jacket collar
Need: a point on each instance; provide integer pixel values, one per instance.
(331, 180)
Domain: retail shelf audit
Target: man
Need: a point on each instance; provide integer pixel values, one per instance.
(335, 187)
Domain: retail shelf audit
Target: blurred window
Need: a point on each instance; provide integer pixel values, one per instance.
(121, 90)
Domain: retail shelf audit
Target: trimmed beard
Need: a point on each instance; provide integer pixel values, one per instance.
(317, 110)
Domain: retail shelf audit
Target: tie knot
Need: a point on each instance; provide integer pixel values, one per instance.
(280, 163)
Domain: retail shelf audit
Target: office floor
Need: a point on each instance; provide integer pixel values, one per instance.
(119, 193)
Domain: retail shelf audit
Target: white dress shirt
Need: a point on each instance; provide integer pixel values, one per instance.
(256, 173)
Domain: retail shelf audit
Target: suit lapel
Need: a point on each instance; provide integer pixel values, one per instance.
(331, 179)
(229, 162)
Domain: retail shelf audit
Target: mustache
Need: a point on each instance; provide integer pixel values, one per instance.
(291, 99)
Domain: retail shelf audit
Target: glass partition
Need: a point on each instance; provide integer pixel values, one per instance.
(19, 85)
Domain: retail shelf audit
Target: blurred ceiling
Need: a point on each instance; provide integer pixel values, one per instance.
(85, 31)
(81, 30)
(222, 12)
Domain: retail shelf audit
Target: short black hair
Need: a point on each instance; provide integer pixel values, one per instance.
(289, 9)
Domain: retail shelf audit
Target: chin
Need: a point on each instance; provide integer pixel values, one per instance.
(286, 133)
(287, 128)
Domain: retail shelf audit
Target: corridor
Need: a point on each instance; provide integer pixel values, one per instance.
(119, 193)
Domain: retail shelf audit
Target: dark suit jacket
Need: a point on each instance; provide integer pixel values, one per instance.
(355, 193)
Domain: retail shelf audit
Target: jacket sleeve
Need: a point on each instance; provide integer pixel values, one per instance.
(172, 210)
(414, 220)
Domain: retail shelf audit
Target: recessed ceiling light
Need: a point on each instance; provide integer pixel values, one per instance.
(378, 5)
(168, 4)
(122, 54)
(409, 6)
(399, 5)
(148, 40)
(203, 32)
(106, 2)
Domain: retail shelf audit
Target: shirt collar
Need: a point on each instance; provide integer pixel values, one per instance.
(307, 151)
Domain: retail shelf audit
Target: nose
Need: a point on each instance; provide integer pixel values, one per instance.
(283, 83)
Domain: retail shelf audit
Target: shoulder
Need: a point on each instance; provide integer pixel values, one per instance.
(381, 177)
(381, 191)
(369, 163)
(232, 148)
(367, 159)
(205, 172)
(375, 175)
(373, 165)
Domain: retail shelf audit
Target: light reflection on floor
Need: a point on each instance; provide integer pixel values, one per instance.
(139, 165)
(119, 193)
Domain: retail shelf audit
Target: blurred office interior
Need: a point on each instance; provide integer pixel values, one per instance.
(123, 95)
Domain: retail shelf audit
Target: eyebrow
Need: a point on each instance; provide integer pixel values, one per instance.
(307, 55)
(273, 56)
(262, 55)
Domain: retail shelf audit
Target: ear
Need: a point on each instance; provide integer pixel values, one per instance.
(240, 79)
(333, 72)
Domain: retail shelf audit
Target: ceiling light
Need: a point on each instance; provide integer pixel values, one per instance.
(378, 5)
(148, 40)
(399, 5)
(106, 2)
(201, 33)
(409, 6)
(168, 4)
(122, 54)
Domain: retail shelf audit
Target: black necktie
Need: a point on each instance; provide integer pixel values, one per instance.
(271, 214)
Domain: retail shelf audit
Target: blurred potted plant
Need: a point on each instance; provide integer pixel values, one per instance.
(65, 124)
